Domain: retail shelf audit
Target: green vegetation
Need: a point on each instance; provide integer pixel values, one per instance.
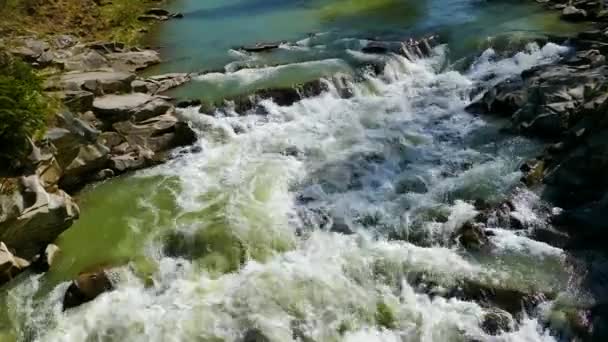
(24, 109)
(89, 19)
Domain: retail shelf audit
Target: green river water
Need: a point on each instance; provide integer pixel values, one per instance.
(233, 235)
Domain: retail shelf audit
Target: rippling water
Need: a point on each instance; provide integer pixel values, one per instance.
(239, 233)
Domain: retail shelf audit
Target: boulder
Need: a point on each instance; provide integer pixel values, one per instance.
(572, 13)
(88, 160)
(31, 49)
(78, 101)
(160, 83)
(496, 321)
(156, 134)
(135, 106)
(45, 260)
(96, 82)
(88, 61)
(85, 288)
(133, 60)
(32, 218)
(472, 236)
(10, 265)
(128, 162)
(255, 335)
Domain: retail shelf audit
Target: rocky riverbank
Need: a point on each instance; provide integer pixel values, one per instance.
(110, 121)
(565, 105)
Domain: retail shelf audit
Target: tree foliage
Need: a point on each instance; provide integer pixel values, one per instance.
(24, 108)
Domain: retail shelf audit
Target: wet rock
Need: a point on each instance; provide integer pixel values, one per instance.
(572, 13)
(496, 321)
(45, 260)
(160, 83)
(97, 82)
(472, 236)
(158, 11)
(533, 171)
(188, 103)
(411, 184)
(135, 106)
(156, 134)
(340, 226)
(261, 47)
(85, 288)
(255, 335)
(110, 139)
(510, 300)
(32, 218)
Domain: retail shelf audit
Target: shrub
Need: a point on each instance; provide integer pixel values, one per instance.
(24, 108)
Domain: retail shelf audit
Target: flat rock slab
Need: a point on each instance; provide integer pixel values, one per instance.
(97, 82)
(133, 60)
(137, 106)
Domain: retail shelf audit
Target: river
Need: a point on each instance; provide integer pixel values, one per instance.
(234, 235)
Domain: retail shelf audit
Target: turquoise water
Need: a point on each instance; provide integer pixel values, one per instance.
(203, 38)
(234, 235)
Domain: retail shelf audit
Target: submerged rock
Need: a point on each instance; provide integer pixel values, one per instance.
(497, 321)
(85, 288)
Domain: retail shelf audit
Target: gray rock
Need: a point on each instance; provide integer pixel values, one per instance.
(78, 101)
(39, 219)
(65, 41)
(88, 160)
(136, 106)
(156, 134)
(87, 61)
(97, 82)
(10, 265)
(44, 261)
(128, 162)
(133, 60)
(158, 11)
(574, 14)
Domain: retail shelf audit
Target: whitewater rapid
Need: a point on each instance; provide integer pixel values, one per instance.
(399, 163)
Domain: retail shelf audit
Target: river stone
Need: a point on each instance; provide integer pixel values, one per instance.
(496, 321)
(10, 265)
(572, 13)
(133, 60)
(87, 61)
(128, 162)
(89, 159)
(45, 260)
(156, 134)
(65, 41)
(97, 82)
(40, 217)
(85, 288)
(255, 335)
(78, 101)
(136, 106)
